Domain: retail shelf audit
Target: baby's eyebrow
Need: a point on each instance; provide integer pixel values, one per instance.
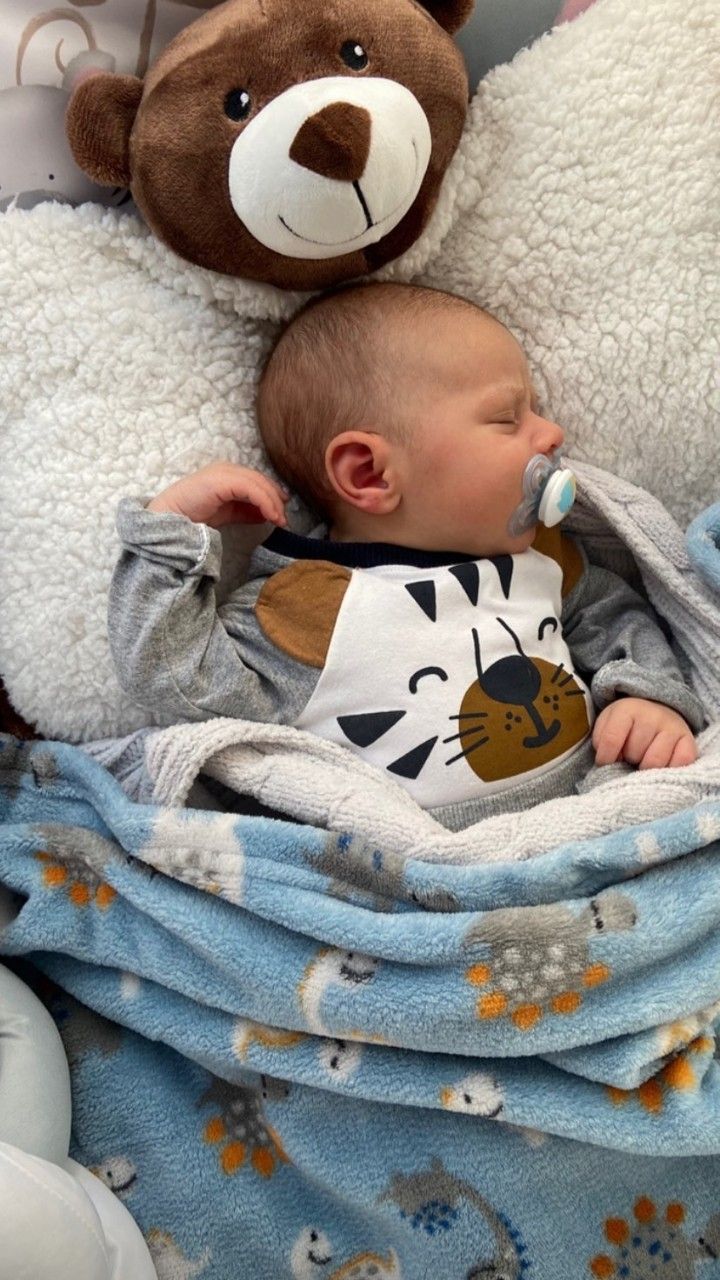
(513, 390)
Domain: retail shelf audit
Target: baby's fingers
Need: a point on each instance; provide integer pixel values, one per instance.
(685, 752)
(642, 737)
(661, 750)
(271, 508)
(264, 495)
(609, 735)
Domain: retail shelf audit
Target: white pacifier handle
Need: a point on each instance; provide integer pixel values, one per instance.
(557, 498)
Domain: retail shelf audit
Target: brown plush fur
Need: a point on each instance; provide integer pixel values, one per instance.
(176, 146)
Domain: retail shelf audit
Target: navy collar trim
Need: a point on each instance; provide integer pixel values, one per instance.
(359, 555)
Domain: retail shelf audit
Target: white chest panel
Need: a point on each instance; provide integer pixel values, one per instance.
(408, 647)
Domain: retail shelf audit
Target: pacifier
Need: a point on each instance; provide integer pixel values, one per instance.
(549, 490)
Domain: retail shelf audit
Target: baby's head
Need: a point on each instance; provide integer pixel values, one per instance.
(404, 415)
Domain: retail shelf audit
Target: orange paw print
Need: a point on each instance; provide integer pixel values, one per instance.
(240, 1129)
(264, 1158)
(82, 886)
(677, 1076)
(652, 1244)
(540, 959)
(525, 1014)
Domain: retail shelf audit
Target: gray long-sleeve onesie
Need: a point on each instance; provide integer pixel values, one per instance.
(464, 678)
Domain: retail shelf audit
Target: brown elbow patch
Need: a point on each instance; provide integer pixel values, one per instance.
(298, 608)
(564, 551)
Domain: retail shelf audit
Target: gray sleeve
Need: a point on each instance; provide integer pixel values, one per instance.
(175, 651)
(615, 637)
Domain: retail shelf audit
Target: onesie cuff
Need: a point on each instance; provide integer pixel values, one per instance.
(169, 539)
(627, 679)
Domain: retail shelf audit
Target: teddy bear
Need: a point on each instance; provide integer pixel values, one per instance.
(300, 148)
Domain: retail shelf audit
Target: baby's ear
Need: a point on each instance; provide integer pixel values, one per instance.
(98, 124)
(449, 14)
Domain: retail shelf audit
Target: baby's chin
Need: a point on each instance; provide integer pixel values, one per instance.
(502, 545)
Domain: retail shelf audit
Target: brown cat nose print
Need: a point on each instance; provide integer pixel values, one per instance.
(520, 713)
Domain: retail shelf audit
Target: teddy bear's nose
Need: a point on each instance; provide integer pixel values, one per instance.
(335, 142)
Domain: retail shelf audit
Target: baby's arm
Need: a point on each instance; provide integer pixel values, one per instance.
(174, 650)
(647, 712)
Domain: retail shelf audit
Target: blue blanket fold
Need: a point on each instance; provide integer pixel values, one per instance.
(481, 1071)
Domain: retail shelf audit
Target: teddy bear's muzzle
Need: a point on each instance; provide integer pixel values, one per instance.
(330, 165)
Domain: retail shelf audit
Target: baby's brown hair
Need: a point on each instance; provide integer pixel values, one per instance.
(338, 366)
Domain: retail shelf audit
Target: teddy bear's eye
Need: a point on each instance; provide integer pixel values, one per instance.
(354, 56)
(238, 104)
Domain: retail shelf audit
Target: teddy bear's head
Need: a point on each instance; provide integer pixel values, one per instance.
(300, 145)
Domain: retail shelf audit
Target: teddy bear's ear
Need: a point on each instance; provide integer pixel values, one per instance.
(98, 124)
(449, 14)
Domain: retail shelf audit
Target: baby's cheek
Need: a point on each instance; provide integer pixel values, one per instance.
(501, 499)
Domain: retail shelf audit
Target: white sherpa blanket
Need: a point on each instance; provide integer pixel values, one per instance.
(319, 782)
(581, 208)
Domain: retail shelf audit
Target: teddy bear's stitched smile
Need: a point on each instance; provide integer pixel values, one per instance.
(366, 211)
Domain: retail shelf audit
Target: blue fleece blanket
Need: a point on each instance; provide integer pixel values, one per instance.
(508, 1070)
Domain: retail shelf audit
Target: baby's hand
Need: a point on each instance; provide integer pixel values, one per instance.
(644, 733)
(224, 493)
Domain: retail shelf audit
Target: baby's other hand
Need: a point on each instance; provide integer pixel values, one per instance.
(644, 733)
(224, 493)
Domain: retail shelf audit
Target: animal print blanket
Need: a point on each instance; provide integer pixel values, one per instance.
(298, 1052)
(497, 1076)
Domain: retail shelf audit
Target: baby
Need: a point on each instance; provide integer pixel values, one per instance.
(431, 624)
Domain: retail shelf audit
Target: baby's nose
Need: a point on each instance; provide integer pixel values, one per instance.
(550, 436)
